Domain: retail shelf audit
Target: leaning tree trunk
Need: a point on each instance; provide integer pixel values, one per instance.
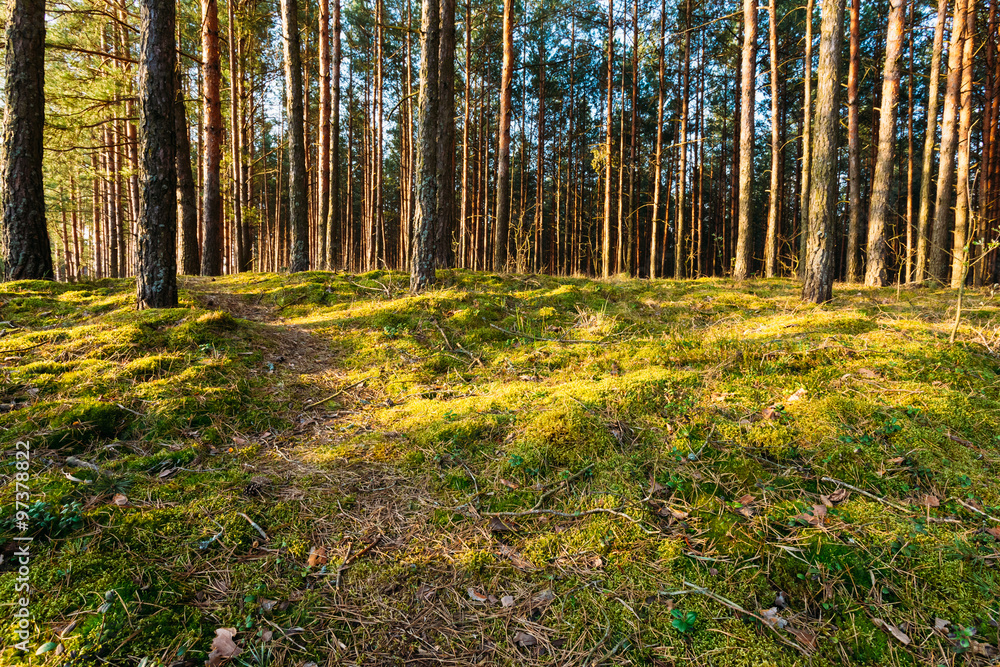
(157, 253)
(818, 284)
(875, 274)
(211, 215)
(938, 265)
(424, 237)
(503, 148)
(744, 238)
(25, 238)
(924, 215)
(297, 206)
(187, 197)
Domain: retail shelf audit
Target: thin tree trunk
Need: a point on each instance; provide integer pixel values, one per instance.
(500, 252)
(744, 241)
(235, 136)
(211, 217)
(938, 266)
(854, 148)
(424, 238)
(807, 133)
(157, 251)
(334, 227)
(445, 223)
(298, 220)
(323, 254)
(924, 215)
(876, 271)
(658, 161)
(771, 240)
(963, 202)
(187, 197)
(679, 229)
(818, 284)
(463, 231)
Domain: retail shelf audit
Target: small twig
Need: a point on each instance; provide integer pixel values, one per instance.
(564, 484)
(336, 393)
(80, 463)
(350, 559)
(137, 414)
(443, 334)
(550, 340)
(865, 493)
(732, 605)
(23, 349)
(254, 524)
(972, 508)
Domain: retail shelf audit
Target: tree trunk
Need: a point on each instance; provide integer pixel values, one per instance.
(807, 133)
(963, 206)
(463, 231)
(445, 222)
(500, 252)
(854, 148)
(334, 227)
(938, 266)
(323, 159)
(187, 198)
(157, 252)
(298, 220)
(744, 239)
(875, 274)
(236, 156)
(211, 217)
(771, 240)
(818, 284)
(424, 238)
(924, 215)
(679, 229)
(658, 161)
(27, 253)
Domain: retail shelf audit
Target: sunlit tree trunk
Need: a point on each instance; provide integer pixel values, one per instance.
(771, 240)
(187, 197)
(323, 157)
(298, 220)
(503, 147)
(679, 227)
(211, 216)
(744, 239)
(875, 273)
(963, 206)
(807, 133)
(818, 283)
(658, 161)
(854, 149)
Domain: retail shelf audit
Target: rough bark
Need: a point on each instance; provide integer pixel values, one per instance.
(334, 227)
(446, 137)
(323, 158)
(875, 273)
(211, 216)
(658, 161)
(679, 227)
(807, 133)
(606, 228)
(771, 239)
(187, 197)
(27, 252)
(503, 147)
(959, 252)
(298, 219)
(744, 234)
(938, 264)
(854, 148)
(157, 252)
(818, 280)
(424, 238)
(235, 136)
(924, 215)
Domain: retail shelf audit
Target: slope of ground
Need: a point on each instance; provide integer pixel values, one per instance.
(510, 471)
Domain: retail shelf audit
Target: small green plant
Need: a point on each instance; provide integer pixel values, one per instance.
(46, 520)
(963, 639)
(683, 620)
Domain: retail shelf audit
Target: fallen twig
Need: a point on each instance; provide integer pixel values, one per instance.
(23, 349)
(550, 340)
(336, 393)
(972, 508)
(865, 493)
(254, 524)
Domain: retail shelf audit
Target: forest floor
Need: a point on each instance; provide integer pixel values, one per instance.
(502, 470)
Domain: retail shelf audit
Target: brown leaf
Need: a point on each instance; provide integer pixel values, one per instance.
(994, 532)
(509, 484)
(816, 518)
(498, 525)
(807, 638)
(897, 460)
(771, 617)
(893, 630)
(542, 598)
(868, 373)
(223, 647)
(654, 487)
(477, 596)
(120, 499)
(771, 413)
(930, 500)
(799, 394)
(524, 639)
(317, 556)
(840, 495)
(517, 559)
(507, 601)
(941, 625)
(746, 499)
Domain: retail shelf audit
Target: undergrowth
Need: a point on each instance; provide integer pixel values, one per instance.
(503, 470)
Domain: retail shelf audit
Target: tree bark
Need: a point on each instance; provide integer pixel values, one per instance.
(27, 253)
(235, 153)
(445, 223)
(924, 215)
(334, 227)
(187, 197)
(875, 273)
(323, 158)
(771, 240)
(157, 252)
(298, 220)
(500, 252)
(938, 265)
(679, 205)
(211, 216)
(424, 238)
(606, 229)
(854, 148)
(658, 161)
(744, 238)
(818, 284)
(963, 207)
(807, 133)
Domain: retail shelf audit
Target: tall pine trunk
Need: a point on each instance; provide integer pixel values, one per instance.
(424, 237)
(771, 240)
(875, 273)
(157, 252)
(658, 162)
(807, 133)
(322, 233)
(744, 238)
(298, 220)
(27, 252)
(854, 148)
(211, 216)
(187, 197)
(503, 147)
(963, 208)
(818, 284)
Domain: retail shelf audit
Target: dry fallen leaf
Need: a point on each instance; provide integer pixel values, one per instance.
(477, 596)
(995, 532)
(746, 499)
(120, 499)
(930, 500)
(865, 372)
(509, 484)
(771, 413)
(515, 558)
(317, 556)
(542, 598)
(817, 517)
(524, 639)
(507, 601)
(941, 625)
(807, 638)
(799, 394)
(840, 495)
(654, 487)
(893, 630)
(223, 647)
(498, 525)
(771, 617)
